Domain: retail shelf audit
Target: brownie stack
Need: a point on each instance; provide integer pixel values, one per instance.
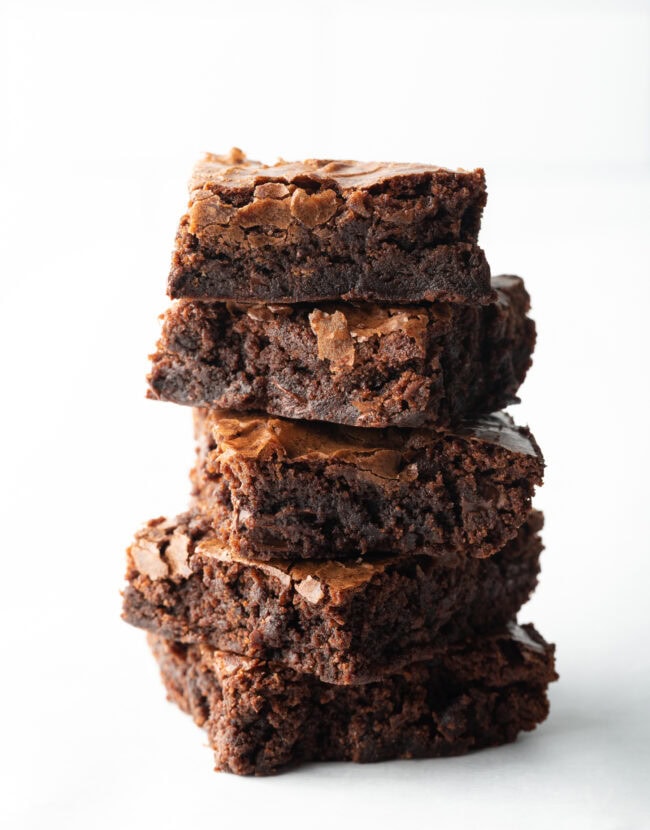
(345, 581)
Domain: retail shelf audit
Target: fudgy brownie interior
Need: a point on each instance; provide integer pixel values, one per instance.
(289, 489)
(262, 717)
(360, 364)
(344, 621)
(323, 229)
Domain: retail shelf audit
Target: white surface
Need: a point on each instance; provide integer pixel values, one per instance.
(104, 108)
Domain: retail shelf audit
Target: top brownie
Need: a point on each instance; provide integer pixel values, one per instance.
(327, 230)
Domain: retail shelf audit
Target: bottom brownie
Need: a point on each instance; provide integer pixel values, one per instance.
(261, 716)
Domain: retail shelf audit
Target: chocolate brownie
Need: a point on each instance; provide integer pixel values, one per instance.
(328, 230)
(291, 489)
(346, 622)
(261, 717)
(351, 363)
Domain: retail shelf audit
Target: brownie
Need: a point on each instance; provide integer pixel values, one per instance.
(328, 230)
(289, 489)
(345, 622)
(261, 717)
(351, 363)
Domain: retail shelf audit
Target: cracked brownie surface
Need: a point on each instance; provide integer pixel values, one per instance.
(323, 229)
(288, 489)
(359, 364)
(343, 621)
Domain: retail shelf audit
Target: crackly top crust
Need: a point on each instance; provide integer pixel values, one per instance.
(165, 548)
(340, 327)
(323, 229)
(233, 191)
(234, 172)
(382, 452)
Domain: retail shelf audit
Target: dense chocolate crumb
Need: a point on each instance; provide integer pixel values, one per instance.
(327, 230)
(289, 489)
(351, 363)
(262, 717)
(345, 622)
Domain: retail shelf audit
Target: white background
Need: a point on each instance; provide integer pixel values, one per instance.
(103, 110)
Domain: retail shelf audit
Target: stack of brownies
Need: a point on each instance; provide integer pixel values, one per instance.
(360, 537)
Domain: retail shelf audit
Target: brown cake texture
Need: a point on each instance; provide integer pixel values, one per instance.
(328, 230)
(359, 540)
(360, 364)
(345, 622)
(278, 489)
(261, 717)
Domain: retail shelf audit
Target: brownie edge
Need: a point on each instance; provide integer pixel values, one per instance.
(263, 717)
(323, 229)
(345, 622)
(359, 364)
(308, 490)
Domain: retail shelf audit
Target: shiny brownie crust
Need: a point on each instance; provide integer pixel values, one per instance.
(358, 363)
(345, 622)
(322, 229)
(287, 489)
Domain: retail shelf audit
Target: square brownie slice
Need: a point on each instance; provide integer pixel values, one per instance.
(328, 230)
(359, 363)
(263, 717)
(291, 489)
(343, 621)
